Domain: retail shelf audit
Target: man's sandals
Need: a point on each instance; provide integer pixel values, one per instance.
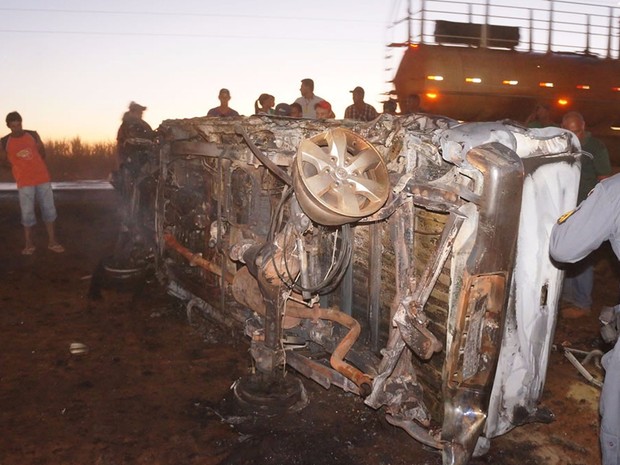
(28, 250)
(57, 248)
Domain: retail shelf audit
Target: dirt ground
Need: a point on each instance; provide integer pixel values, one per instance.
(151, 388)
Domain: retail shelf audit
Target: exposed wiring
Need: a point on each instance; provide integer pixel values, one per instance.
(595, 354)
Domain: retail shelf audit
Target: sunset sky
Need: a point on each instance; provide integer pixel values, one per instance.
(71, 67)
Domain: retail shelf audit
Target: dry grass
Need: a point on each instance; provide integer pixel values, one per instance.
(74, 160)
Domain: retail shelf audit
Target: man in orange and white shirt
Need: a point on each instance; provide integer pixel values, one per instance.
(26, 154)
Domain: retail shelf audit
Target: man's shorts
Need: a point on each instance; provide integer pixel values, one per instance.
(44, 196)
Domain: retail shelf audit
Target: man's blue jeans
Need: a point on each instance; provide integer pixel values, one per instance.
(578, 284)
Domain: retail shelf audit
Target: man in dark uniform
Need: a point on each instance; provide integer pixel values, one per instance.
(576, 235)
(595, 165)
(132, 131)
(133, 141)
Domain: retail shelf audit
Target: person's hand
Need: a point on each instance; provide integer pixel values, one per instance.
(531, 117)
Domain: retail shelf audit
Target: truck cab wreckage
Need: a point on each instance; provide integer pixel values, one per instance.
(411, 250)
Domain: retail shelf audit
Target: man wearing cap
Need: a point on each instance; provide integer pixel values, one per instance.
(223, 110)
(133, 129)
(308, 100)
(360, 110)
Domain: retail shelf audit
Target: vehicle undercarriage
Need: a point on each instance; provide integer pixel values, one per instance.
(403, 260)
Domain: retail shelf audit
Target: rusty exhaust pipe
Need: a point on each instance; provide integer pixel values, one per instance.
(361, 379)
(247, 292)
(196, 259)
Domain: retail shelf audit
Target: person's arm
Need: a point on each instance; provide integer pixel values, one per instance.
(4, 158)
(530, 118)
(602, 165)
(40, 144)
(582, 231)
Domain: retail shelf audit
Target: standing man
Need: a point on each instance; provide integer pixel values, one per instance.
(360, 110)
(576, 235)
(223, 110)
(133, 132)
(26, 154)
(540, 116)
(308, 100)
(389, 107)
(411, 104)
(595, 166)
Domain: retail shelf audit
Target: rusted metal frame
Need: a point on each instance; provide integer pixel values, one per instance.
(471, 359)
(211, 150)
(246, 291)
(196, 259)
(271, 288)
(266, 300)
(410, 317)
(185, 151)
(323, 375)
(391, 355)
(222, 209)
(362, 380)
(385, 212)
(406, 279)
(440, 255)
(269, 351)
(375, 253)
(417, 432)
(433, 198)
(403, 239)
(402, 236)
(427, 195)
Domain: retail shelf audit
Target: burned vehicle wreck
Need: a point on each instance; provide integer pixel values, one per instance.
(412, 250)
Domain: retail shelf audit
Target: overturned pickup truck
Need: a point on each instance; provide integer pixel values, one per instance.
(412, 250)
